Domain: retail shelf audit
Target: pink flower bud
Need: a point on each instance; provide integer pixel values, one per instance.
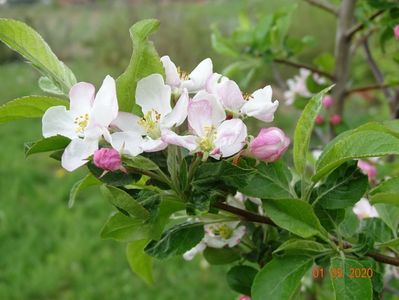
(244, 297)
(335, 119)
(327, 101)
(396, 31)
(269, 145)
(107, 159)
(368, 169)
(319, 120)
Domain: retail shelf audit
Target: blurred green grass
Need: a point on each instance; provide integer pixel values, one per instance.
(48, 251)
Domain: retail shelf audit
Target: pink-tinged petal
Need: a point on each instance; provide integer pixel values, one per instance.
(128, 143)
(76, 154)
(218, 113)
(363, 209)
(150, 145)
(179, 112)
(269, 145)
(58, 120)
(128, 122)
(188, 141)
(81, 98)
(214, 81)
(260, 105)
(230, 95)
(199, 76)
(200, 116)
(172, 75)
(105, 106)
(238, 234)
(153, 94)
(231, 137)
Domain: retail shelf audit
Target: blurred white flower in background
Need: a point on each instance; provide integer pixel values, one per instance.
(2, 2)
(363, 209)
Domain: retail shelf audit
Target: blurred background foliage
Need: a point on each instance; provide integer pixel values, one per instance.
(48, 251)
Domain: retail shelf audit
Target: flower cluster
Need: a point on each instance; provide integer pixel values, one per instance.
(203, 112)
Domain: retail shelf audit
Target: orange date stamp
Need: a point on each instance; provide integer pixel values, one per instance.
(335, 273)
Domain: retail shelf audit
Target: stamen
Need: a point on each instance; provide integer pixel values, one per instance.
(81, 122)
(182, 74)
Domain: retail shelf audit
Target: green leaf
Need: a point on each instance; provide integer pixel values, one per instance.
(387, 192)
(280, 278)
(296, 216)
(144, 61)
(141, 163)
(117, 178)
(28, 107)
(353, 145)
(125, 229)
(53, 143)
(342, 188)
(48, 86)
(376, 229)
(27, 42)
(123, 200)
(220, 256)
(88, 181)
(271, 181)
(301, 247)
(304, 128)
(240, 279)
(139, 261)
(389, 214)
(346, 287)
(176, 240)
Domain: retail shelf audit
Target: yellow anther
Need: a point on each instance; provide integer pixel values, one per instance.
(81, 121)
(222, 230)
(182, 74)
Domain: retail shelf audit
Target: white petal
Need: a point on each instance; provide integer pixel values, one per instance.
(188, 141)
(178, 114)
(127, 143)
(231, 137)
(172, 76)
(200, 116)
(150, 145)
(189, 255)
(199, 76)
(214, 81)
(214, 242)
(218, 113)
(128, 122)
(81, 98)
(260, 105)
(105, 106)
(153, 94)
(77, 153)
(58, 120)
(230, 95)
(236, 237)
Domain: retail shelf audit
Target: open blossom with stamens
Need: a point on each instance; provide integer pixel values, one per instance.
(258, 105)
(179, 80)
(154, 98)
(363, 209)
(218, 235)
(84, 123)
(212, 134)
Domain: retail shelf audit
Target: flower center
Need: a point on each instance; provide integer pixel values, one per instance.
(81, 123)
(246, 96)
(206, 141)
(182, 74)
(150, 122)
(222, 230)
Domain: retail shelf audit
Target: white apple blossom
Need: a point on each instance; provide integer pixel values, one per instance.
(179, 80)
(212, 134)
(297, 87)
(363, 209)
(84, 123)
(239, 199)
(154, 97)
(258, 105)
(218, 235)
